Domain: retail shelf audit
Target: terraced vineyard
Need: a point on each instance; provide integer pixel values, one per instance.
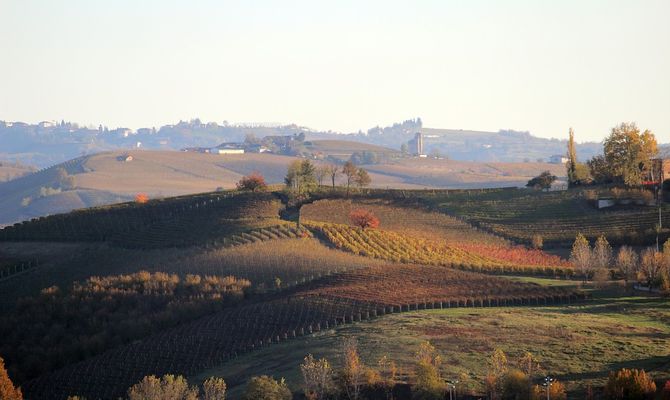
(324, 303)
(394, 247)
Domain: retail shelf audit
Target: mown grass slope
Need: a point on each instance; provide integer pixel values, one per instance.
(578, 344)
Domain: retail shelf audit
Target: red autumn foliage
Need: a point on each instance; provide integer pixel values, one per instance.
(363, 219)
(665, 392)
(514, 254)
(253, 182)
(141, 198)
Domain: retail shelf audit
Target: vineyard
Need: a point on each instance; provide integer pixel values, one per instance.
(273, 263)
(321, 304)
(402, 216)
(177, 221)
(63, 326)
(556, 216)
(391, 246)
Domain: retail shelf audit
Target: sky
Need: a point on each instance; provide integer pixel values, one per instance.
(539, 65)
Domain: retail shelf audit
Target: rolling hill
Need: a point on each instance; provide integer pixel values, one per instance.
(108, 177)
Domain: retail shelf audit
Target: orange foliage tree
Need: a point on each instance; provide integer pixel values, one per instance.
(253, 182)
(630, 384)
(141, 198)
(7, 389)
(363, 218)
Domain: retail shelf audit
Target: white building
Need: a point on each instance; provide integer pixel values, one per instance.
(558, 159)
(217, 150)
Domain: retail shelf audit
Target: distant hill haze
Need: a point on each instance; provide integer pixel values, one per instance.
(112, 177)
(49, 143)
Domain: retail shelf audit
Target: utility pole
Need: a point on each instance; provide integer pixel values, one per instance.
(660, 226)
(548, 381)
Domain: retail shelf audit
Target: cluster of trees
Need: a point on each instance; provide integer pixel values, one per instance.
(176, 388)
(633, 384)
(626, 159)
(303, 176)
(542, 181)
(59, 327)
(650, 267)
(353, 381)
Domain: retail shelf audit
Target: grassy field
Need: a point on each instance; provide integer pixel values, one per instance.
(578, 344)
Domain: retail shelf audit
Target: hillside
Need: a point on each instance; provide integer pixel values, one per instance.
(221, 284)
(441, 173)
(108, 178)
(49, 143)
(9, 171)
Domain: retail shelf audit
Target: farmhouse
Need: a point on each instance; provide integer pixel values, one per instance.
(228, 148)
(226, 151)
(558, 159)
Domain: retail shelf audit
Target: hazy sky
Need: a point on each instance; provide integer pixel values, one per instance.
(535, 65)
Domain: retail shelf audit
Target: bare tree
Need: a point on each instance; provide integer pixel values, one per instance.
(581, 257)
(353, 370)
(214, 389)
(333, 172)
(350, 171)
(651, 264)
(317, 376)
(322, 171)
(362, 178)
(602, 253)
(626, 263)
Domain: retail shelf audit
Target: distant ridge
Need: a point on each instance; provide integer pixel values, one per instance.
(49, 143)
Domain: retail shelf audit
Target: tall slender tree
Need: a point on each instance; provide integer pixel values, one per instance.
(572, 159)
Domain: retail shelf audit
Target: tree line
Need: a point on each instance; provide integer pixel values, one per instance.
(626, 159)
(520, 378)
(303, 176)
(650, 267)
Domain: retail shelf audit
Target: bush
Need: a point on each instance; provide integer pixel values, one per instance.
(630, 384)
(253, 182)
(516, 385)
(364, 219)
(266, 388)
(556, 392)
(141, 198)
